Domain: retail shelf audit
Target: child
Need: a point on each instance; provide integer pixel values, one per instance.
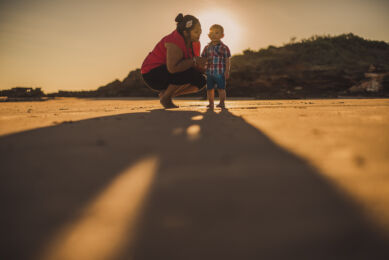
(218, 65)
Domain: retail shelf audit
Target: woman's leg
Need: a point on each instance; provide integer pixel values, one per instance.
(186, 89)
(165, 97)
(161, 93)
(191, 75)
(174, 91)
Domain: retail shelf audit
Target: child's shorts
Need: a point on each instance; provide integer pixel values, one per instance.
(218, 79)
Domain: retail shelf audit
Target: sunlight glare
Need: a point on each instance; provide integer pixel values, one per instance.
(197, 118)
(232, 30)
(193, 132)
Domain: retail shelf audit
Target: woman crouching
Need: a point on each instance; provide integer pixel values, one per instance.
(173, 68)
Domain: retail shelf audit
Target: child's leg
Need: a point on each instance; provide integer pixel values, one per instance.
(210, 90)
(221, 89)
(222, 95)
(211, 96)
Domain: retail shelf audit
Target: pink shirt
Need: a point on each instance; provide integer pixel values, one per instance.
(157, 57)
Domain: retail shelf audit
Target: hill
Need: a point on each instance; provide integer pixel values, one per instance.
(318, 67)
(321, 66)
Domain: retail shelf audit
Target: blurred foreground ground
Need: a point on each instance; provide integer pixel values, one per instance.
(122, 179)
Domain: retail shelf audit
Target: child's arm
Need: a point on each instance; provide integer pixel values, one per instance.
(228, 66)
(227, 55)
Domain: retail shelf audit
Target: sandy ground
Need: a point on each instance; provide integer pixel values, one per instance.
(124, 179)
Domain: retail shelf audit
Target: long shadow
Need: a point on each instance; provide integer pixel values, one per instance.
(224, 192)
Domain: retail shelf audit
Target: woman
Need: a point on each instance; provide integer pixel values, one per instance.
(172, 68)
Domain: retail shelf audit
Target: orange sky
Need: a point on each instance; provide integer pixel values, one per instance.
(84, 44)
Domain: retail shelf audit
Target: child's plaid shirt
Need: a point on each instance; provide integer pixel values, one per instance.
(216, 57)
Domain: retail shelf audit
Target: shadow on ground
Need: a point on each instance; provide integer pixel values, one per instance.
(223, 190)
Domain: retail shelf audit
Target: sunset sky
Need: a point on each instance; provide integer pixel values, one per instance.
(84, 44)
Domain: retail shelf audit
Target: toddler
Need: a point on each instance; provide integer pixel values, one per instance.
(218, 65)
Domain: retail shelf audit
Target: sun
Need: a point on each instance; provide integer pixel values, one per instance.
(232, 30)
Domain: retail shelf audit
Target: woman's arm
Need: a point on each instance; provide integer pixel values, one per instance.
(174, 59)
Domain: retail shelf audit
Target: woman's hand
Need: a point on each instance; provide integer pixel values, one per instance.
(200, 64)
(200, 61)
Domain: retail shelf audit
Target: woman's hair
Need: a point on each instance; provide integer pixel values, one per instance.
(186, 23)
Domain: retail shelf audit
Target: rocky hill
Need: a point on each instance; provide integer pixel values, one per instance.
(318, 67)
(321, 66)
(131, 86)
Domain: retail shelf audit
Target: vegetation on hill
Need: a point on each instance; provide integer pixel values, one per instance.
(22, 94)
(321, 66)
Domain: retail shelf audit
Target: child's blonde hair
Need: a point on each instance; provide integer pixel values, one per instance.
(217, 26)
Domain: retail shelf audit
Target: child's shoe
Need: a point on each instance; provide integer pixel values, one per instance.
(221, 105)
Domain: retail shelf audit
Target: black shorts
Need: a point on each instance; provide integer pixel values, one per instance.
(160, 78)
